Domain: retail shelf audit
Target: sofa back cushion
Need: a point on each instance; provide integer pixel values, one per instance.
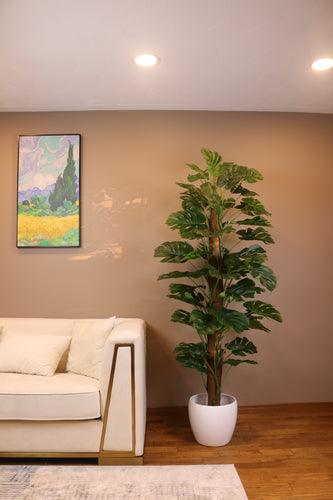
(41, 326)
(86, 349)
(88, 336)
(32, 354)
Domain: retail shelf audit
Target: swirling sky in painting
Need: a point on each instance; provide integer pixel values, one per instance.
(43, 158)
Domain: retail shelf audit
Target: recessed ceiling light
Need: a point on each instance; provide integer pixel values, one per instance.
(322, 64)
(146, 60)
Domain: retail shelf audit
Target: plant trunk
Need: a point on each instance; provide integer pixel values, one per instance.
(214, 375)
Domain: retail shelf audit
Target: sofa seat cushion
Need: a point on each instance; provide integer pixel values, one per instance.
(64, 396)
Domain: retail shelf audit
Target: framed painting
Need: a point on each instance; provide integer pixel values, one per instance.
(48, 192)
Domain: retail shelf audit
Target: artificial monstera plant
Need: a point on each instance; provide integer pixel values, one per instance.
(220, 225)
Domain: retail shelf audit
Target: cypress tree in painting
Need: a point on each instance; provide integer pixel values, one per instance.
(56, 198)
(65, 188)
(69, 177)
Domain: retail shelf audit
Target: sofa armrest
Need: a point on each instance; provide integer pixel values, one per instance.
(123, 387)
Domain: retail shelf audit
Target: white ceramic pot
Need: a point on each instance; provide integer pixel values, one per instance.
(212, 425)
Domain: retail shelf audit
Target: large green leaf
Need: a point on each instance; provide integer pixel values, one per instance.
(252, 206)
(213, 161)
(176, 252)
(237, 265)
(253, 256)
(212, 196)
(193, 196)
(184, 274)
(191, 223)
(258, 220)
(196, 177)
(192, 355)
(259, 233)
(245, 288)
(255, 324)
(232, 175)
(241, 346)
(231, 318)
(205, 323)
(200, 174)
(229, 203)
(253, 251)
(199, 170)
(234, 266)
(181, 316)
(265, 275)
(236, 362)
(262, 310)
(244, 191)
(212, 271)
(186, 293)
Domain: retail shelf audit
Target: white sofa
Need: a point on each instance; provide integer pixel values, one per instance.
(98, 412)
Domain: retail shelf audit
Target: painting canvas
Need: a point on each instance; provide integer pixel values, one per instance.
(48, 197)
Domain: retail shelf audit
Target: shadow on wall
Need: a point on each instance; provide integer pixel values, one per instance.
(112, 220)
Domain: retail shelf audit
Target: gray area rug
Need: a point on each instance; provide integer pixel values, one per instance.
(186, 482)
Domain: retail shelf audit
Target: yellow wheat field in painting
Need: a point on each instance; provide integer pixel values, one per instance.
(31, 229)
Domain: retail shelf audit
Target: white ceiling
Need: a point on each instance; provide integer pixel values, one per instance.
(215, 55)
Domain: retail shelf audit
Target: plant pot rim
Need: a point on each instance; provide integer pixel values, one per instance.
(202, 399)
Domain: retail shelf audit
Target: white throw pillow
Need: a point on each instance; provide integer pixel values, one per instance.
(31, 354)
(86, 351)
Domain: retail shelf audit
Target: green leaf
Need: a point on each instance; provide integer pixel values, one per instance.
(258, 220)
(228, 228)
(192, 356)
(259, 233)
(266, 277)
(245, 288)
(235, 320)
(233, 175)
(184, 274)
(262, 310)
(252, 206)
(229, 203)
(195, 177)
(253, 256)
(236, 362)
(193, 196)
(191, 224)
(237, 265)
(186, 293)
(255, 324)
(253, 251)
(232, 319)
(234, 266)
(201, 174)
(241, 346)
(181, 316)
(176, 252)
(205, 324)
(199, 170)
(212, 271)
(212, 196)
(213, 160)
(244, 191)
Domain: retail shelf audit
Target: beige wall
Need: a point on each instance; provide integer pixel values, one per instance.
(130, 163)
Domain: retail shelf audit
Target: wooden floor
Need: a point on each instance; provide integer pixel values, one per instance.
(280, 452)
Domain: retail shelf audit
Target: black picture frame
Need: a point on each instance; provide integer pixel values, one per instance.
(49, 191)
